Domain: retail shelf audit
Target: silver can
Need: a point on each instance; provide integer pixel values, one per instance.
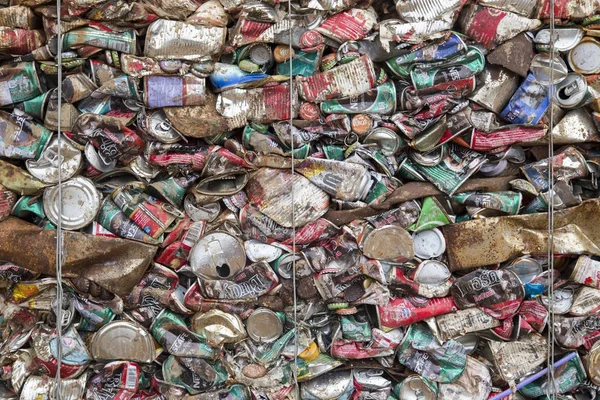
(81, 203)
(123, 340)
(46, 167)
(217, 255)
(264, 326)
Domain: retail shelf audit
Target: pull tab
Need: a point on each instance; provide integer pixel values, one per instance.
(51, 156)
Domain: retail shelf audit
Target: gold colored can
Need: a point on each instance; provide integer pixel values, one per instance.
(361, 124)
(282, 53)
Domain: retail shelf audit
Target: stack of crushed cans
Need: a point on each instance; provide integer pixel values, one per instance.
(401, 147)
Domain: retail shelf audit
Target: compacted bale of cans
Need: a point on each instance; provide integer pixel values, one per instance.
(314, 199)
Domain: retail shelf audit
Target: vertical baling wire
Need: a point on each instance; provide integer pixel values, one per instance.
(550, 355)
(60, 253)
(293, 232)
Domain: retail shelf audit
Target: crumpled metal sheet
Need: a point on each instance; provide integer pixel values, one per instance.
(488, 241)
(113, 263)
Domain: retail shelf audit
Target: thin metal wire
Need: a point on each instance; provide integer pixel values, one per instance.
(59, 232)
(291, 83)
(550, 356)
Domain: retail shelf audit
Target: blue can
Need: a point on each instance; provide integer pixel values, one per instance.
(529, 103)
(229, 76)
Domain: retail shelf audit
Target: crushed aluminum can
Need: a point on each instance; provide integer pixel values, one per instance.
(586, 271)
(46, 167)
(514, 360)
(174, 39)
(20, 82)
(577, 126)
(474, 383)
(567, 377)
(585, 302)
(429, 243)
(219, 327)
(324, 85)
(218, 255)
(420, 352)
(20, 137)
(498, 86)
(465, 321)
(592, 364)
(333, 385)
(406, 311)
(499, 292)
(269, 191)
(528, 104)
(492, 27)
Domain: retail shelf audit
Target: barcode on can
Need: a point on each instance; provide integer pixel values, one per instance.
(193, 234)
(132, 377)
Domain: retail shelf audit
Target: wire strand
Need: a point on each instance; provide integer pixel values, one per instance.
(59, 232)
(293, 233)
(551, 354)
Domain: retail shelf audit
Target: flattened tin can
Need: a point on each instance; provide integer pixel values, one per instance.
(81, 203)
(178, 40)
(169, 91)
(123, 340)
